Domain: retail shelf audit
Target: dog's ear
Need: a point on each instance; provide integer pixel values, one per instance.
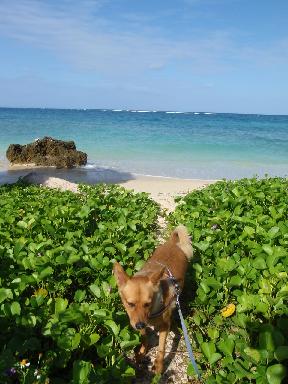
(157, 275)
(120, 274)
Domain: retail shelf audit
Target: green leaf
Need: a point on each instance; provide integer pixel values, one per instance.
(213, 333)
(132, 226)
(15, 308)
(95, 290)
(129, 373)
(79, 295)
(62, 259)
(73, 258)
(156, 379)
(253, 354)
(271, 260)
(190, 370)
(128, 344)
(60, 305)
(94, 337)
(212, 282)
(197, 267)
(266, 340)
(265, 286)
(100, 313)
(281, 353)
(276, 373)
(81, 371)
(203, 245)
(226, 264)
(22, 224)
(283, 291)
(139, 264)
(262, 307)
(259, 263)
(235, 280)
(240, 371)
(84, 212)
(121, 247)
(273, 232)
(214, 358)
(69, 339)
(46, 272)
(226, 346)
(236, 192)
(5, 293)
(208, 349)
(112, 326)
(19, 245)
(85, 248)
(249, 231)
(268, 249)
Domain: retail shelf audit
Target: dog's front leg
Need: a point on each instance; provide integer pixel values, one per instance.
(159, 361)
(141, 352)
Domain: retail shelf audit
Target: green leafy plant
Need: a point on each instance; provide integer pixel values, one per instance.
(240, 238)
(58, 298)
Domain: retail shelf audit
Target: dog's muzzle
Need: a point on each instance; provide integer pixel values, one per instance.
(140, 325)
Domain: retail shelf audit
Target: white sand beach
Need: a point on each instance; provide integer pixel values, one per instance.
(162, 189)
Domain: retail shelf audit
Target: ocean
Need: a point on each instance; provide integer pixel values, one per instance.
(197, 145)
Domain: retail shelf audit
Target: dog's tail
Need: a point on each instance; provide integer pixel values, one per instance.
(181, 238)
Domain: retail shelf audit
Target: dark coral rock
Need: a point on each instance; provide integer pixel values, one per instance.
(47, 152)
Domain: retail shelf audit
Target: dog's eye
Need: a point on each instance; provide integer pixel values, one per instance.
(131, 305)
(146, 305)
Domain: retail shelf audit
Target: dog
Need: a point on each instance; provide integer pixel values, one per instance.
(149, 296)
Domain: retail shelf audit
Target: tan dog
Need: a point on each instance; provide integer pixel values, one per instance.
(149, 295)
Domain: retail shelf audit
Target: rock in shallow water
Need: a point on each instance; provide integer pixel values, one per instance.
(47, 152)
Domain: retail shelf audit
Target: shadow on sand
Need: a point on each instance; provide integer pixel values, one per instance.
(144, 374)
(74, 175)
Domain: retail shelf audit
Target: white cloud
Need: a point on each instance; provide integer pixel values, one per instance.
(96, 43)
(79, 34)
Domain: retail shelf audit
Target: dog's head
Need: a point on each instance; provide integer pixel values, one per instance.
(137, 293)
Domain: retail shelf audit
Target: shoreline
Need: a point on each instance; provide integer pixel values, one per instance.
(160, 188)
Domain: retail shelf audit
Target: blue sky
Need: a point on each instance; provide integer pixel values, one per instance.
(185, 55)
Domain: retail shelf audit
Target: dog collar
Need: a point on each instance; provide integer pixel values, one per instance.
(163, 309)
(174, 282)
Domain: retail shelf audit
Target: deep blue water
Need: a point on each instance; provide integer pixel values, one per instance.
(185, 145)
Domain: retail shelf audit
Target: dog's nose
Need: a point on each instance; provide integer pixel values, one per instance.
(140, 325)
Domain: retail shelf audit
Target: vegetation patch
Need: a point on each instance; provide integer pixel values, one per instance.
(239, 315)
(60, 315)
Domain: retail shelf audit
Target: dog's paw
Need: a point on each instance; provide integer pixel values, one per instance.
(158, 366)
(141, 358)
(140, 352)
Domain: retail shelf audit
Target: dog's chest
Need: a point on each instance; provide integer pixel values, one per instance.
(163, 300)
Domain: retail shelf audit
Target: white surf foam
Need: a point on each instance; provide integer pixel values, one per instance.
(89, 166)
(174, 112)
(141, 111)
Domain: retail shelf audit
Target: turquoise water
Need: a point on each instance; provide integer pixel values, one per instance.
(184, 145)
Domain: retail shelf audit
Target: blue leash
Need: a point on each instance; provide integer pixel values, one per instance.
(183, 325)
(187, 340)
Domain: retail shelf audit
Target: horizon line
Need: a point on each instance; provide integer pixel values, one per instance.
(146, 111)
